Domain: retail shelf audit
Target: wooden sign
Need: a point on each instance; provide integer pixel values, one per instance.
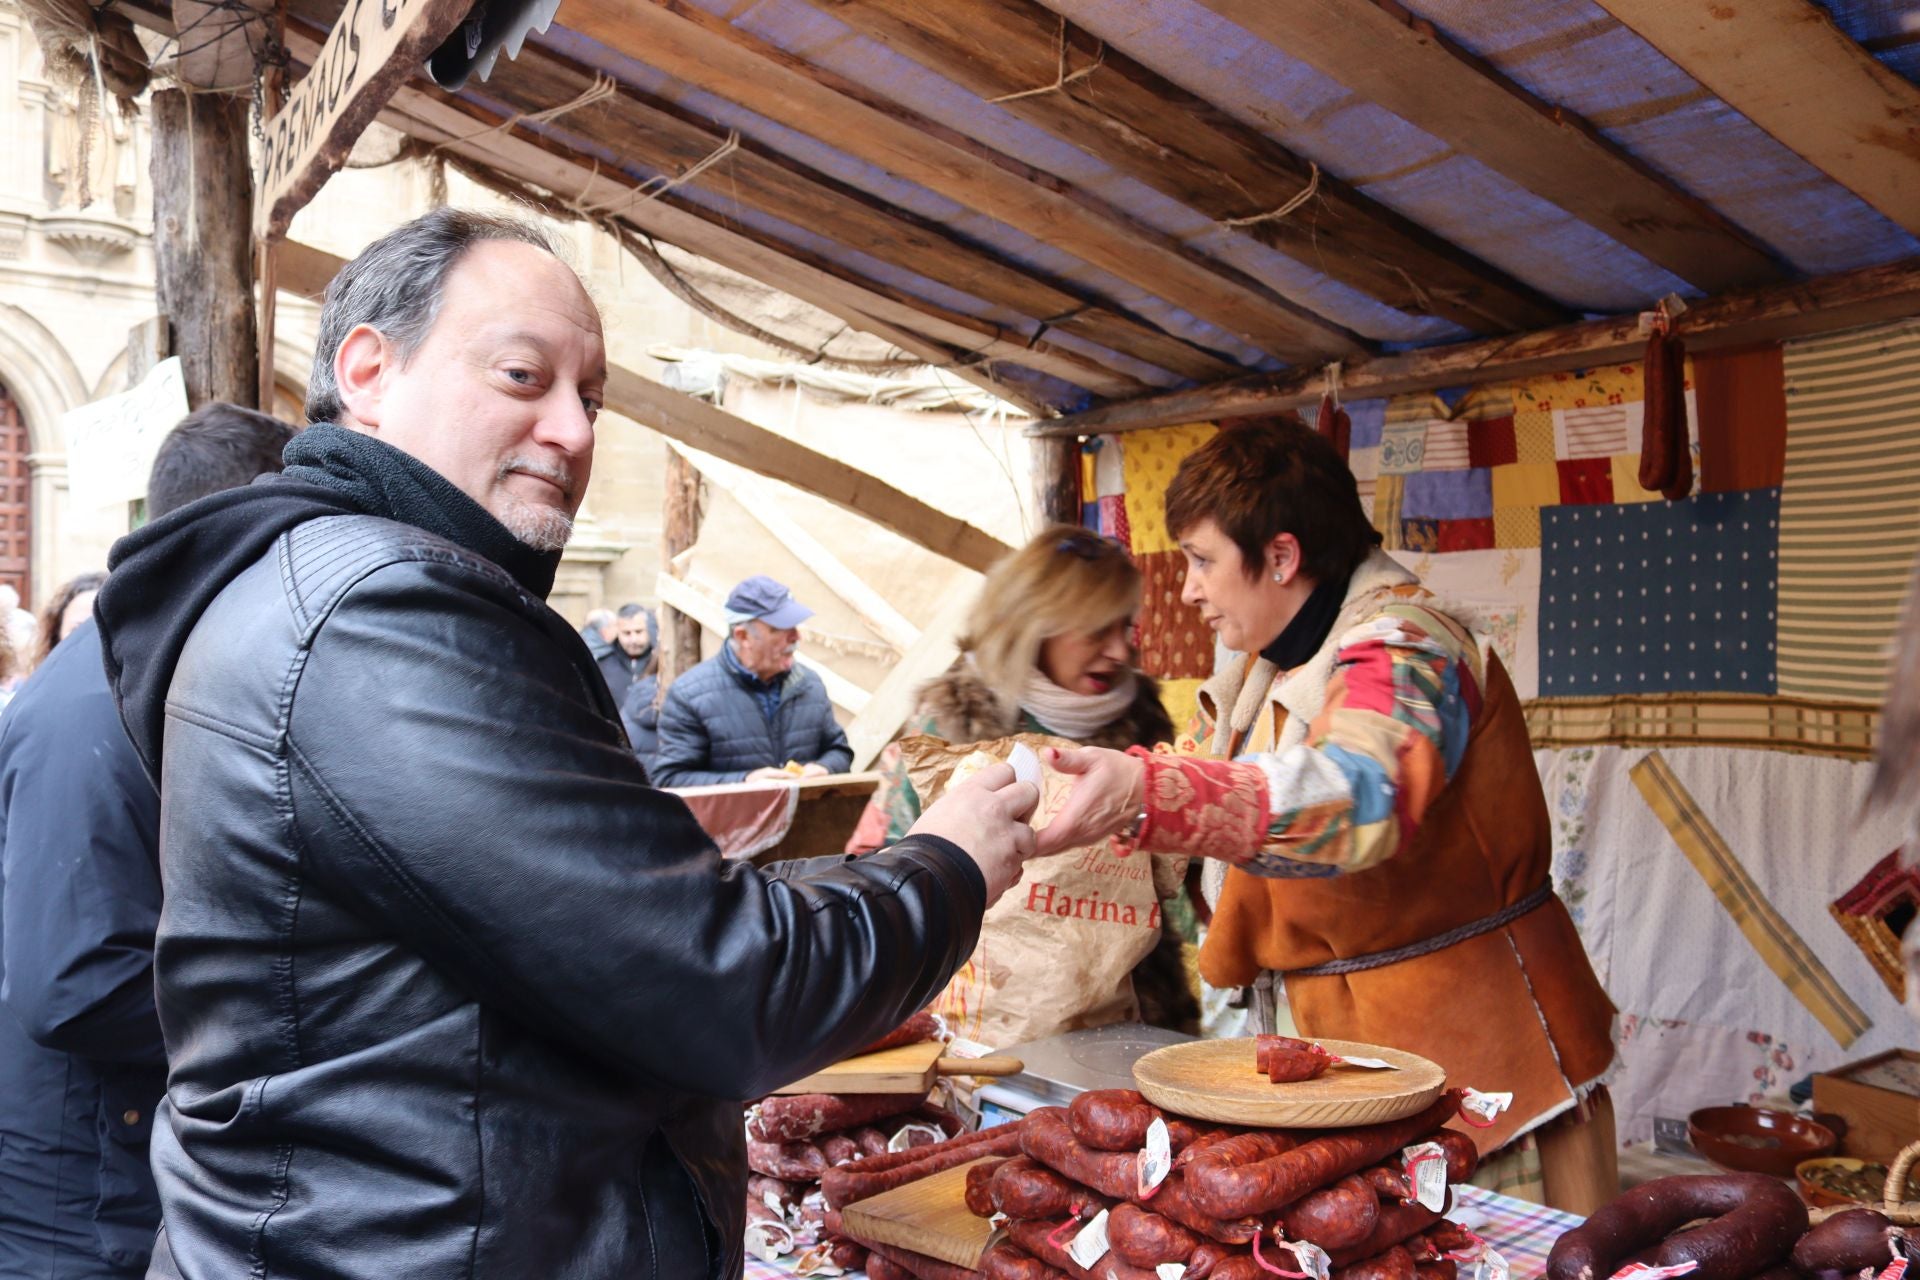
(375, 47)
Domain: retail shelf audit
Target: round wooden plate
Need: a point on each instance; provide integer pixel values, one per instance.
(1217, 1080)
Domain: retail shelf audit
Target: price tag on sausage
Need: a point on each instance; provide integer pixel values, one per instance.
(1481, 1109)
(1026, 765)
(1490, 1266)
(1314, 1262)
(1371, 1064)
(1645, 1271)
(1426, 1167)
(1090, 1245)
(1156, 1160)
(1170, 1271)
(904, 1139)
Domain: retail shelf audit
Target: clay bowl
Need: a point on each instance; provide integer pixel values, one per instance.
(1814, 1190)
(1757, 1139)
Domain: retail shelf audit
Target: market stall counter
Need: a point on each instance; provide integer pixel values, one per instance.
(771, 821)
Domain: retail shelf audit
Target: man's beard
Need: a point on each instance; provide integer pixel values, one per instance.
(541, 527)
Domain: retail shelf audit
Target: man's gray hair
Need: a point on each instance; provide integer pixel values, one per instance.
(396, 286)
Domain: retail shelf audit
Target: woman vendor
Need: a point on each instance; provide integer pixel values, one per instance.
(1367, 792)
(1048, 650)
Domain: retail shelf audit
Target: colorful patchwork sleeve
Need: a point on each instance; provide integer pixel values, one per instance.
(1403, 697)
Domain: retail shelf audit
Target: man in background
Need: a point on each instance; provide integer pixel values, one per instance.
(747, 712)
(81, 1062)
(630, 660)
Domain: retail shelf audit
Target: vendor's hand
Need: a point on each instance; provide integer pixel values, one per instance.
(987, 817)
(813, 771)
(769, 773)
(1108, 791)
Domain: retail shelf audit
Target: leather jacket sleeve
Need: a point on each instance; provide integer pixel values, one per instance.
(452, 780)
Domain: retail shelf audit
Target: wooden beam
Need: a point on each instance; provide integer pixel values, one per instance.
(680, 515)
(202, 242)
(734, 439)
(691, 601)
(763, 505)
(972, 349)
(681, 39)
(878, 723)
(305, 271)
(668, 139)
(1785, 66)
(1192, 151)
(1056, 480)
(1401, 62)
(1871, 295)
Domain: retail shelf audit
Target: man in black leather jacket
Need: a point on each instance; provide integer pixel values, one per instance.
(447, 990)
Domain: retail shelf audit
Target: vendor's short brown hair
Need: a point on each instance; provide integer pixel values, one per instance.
(1262, 477)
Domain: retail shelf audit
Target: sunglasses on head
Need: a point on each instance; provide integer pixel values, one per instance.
(1089, 545)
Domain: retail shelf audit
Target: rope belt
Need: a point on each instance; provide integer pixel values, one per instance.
(1427, 946)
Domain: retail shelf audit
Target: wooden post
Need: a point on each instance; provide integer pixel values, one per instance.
(203, 242)
(1056, 479)
(680, 527)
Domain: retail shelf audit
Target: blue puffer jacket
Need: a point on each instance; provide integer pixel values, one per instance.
(712, 729)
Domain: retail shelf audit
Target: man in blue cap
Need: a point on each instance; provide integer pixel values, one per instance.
(747, 712)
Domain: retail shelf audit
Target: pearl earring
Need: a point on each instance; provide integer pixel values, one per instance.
(1276, 577)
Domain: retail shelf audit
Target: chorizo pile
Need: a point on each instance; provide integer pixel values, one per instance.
(1346, 1192)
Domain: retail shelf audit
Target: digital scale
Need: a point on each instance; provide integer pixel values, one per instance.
(1060, 1068)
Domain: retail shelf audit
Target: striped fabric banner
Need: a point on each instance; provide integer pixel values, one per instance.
(1783, 950)
(1845, 730)
(1850, 508)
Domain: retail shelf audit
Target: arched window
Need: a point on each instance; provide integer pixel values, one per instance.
(16, 513)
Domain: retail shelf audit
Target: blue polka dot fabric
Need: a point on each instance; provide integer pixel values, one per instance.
(1660, 597)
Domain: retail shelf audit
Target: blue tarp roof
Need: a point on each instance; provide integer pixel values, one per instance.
(1570, 53)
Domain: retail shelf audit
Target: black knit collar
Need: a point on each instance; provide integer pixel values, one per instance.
(1301, 638)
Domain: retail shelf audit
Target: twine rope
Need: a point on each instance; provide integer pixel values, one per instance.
(1286, 210)
(1062, 77)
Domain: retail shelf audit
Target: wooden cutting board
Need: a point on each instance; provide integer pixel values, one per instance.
(929, 1216)
(1217, 1080)
(911, 1068)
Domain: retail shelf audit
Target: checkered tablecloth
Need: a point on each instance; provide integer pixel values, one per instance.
(1522, 1232)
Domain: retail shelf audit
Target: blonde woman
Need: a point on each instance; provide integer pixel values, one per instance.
(1049, 649)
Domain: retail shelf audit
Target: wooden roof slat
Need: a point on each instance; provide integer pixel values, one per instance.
(651, 134)
(971, 349)
(1871, 295)
(1785, 66)
(1192, 151)
(685, 42)
(1384, 54)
